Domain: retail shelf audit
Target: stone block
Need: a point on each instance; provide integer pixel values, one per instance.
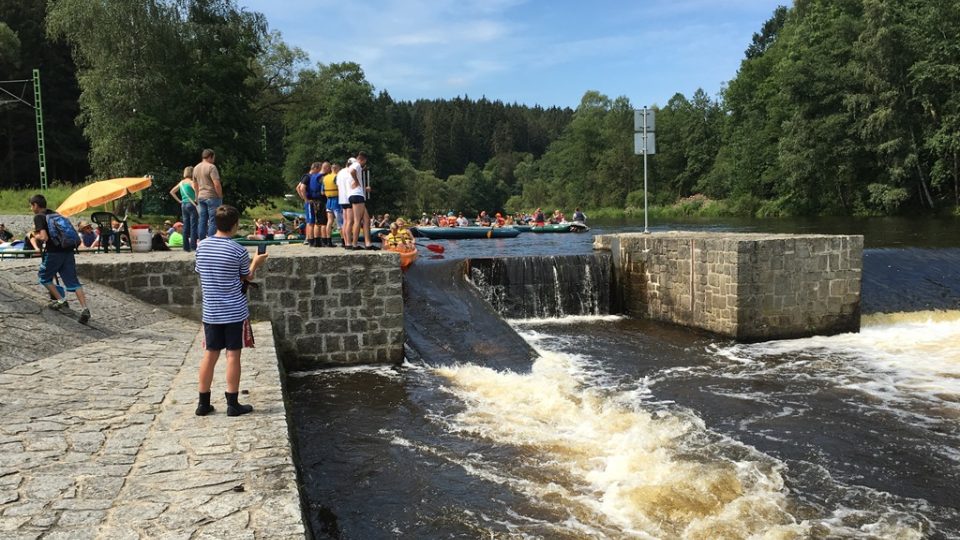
(317, 308)
(332, 343)
(320, 285)
(350, 299)
(184, 296)
(339, 282)
(294, 325)
(334, 326)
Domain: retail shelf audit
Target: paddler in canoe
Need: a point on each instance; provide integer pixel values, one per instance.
(400, 240)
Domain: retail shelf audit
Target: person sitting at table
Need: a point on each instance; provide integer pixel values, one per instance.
(89, 238)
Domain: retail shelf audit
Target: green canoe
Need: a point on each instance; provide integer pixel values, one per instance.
(461, 233)
(560, 228)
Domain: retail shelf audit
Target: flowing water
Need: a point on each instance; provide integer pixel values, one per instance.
(593, 425)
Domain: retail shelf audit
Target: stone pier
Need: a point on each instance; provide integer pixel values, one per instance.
(751, 287)
(327, 306)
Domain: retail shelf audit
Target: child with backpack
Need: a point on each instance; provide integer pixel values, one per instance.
(58, 240)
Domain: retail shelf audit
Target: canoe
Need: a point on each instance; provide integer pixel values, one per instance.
(406, 257)
(246, 242)
(461, 233)
(523, 228)
(560, 228)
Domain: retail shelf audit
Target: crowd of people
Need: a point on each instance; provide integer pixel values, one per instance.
(483, 219)
(335, 196)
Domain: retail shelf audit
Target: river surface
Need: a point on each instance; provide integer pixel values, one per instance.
(623, 428)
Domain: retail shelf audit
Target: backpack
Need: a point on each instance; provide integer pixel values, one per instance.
(315, 187)
(61, 232)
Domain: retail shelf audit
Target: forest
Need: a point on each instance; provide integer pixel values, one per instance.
(839, 107)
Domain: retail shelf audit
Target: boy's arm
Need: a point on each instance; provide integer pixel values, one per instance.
(258, 260)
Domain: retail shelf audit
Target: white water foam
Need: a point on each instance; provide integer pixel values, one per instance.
(569, 319)
(898, 359)
(616, 468)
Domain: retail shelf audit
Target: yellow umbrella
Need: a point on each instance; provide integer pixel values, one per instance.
(99, 193)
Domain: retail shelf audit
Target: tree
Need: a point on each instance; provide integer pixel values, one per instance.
(26, 46)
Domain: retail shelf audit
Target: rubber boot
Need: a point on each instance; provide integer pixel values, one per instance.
(204, 408)
(234, 408)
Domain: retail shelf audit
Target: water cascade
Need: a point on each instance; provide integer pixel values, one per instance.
(542, 287)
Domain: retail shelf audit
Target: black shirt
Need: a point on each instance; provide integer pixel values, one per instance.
(5, 235)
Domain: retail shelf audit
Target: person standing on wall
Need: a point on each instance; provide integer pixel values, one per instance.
(358, 200)
(209, 192)
(307, 190)
(334, 212)
(57, 238)
(185, 194)
(343, 191)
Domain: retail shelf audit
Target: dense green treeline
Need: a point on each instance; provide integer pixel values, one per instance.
(23, 47)
(845, 107)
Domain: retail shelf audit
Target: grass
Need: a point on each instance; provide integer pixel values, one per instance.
(15, 201)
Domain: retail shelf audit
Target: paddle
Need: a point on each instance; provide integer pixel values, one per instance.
(436, 248)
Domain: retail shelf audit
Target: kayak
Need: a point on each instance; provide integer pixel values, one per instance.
(406, 257)
(560, 228)
(523, 228)
(461, 233)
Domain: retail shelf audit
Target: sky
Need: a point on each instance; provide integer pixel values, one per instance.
(534, 52)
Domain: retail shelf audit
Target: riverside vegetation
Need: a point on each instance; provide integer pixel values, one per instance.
(840, 107)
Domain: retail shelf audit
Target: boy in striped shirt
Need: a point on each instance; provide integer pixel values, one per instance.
(223, 265)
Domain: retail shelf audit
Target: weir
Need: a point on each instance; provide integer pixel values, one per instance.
(542, 287)
(447, 321)
(751, 287)
(328, 307)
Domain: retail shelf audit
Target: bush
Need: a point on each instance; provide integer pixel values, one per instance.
(886, 199)
(635, 199)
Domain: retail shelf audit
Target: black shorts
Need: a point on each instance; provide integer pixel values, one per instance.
(346, 206)
(357, 199)
(223, 336)
(316, 212)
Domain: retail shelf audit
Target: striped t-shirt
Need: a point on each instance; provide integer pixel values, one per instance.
(221, 263)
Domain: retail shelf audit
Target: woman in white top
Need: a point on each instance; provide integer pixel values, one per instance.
(343, 194)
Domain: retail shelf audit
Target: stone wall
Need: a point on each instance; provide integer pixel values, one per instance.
(328, 307)
(747, 286)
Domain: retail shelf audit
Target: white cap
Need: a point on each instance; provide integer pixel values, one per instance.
(351, 161)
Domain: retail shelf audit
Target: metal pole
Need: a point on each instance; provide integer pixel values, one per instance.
(263, 138)
(645, 222)
(41, 147)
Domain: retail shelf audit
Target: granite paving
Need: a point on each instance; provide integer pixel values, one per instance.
(100, 441)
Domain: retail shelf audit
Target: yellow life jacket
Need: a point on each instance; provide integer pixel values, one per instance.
(330, 185)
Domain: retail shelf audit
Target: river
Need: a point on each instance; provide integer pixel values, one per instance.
(623, 428)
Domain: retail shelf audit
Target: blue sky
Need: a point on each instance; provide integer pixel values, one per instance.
(527, 51)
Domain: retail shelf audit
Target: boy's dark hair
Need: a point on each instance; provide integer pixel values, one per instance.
(39, 200)
(226, 217)
(361, 155)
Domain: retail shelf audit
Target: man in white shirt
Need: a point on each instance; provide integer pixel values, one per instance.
(358, 200)
(343, 194)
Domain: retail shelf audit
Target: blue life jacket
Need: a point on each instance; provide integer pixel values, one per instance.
(315, 187)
